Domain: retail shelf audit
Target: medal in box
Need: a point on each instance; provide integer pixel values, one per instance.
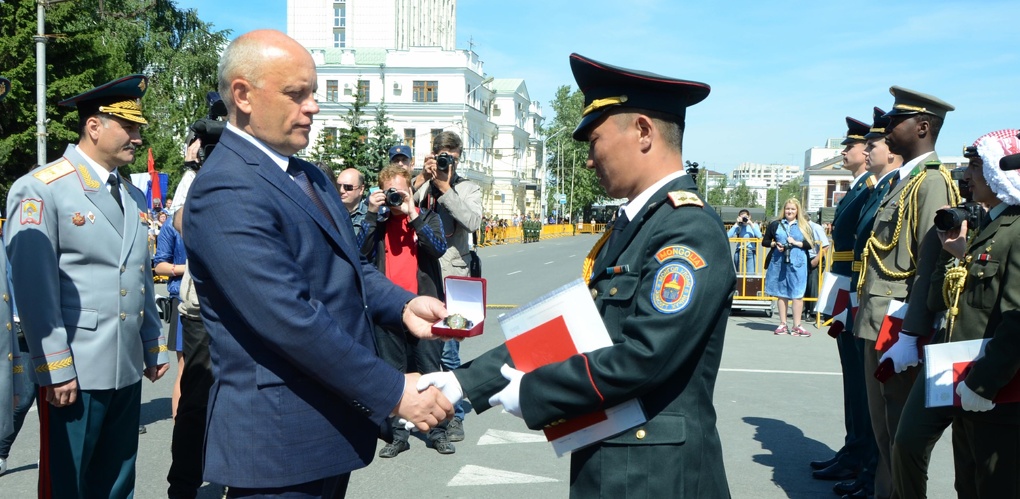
(465, 302)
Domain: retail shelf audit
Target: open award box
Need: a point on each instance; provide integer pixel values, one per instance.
(465, 298)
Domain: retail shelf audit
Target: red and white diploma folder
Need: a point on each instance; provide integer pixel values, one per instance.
(947, 364)
(551, 329)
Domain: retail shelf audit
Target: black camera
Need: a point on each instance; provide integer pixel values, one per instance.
(394, 197)
(744, 219)
(210, 128)
(444, 161)
(951, 218)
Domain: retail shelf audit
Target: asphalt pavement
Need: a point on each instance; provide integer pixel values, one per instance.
(778, 398)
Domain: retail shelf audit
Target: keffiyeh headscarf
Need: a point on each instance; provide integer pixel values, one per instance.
(992, 147)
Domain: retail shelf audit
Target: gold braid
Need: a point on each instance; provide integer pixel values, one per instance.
(912, 189)
(589, 261)
(956, 277)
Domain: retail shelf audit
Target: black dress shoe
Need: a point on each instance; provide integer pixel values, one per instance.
(847, 487)
(836, 472)
(821, 465)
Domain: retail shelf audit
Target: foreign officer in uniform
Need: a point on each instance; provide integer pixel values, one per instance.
(667, 340)
(77, 243)
(849, 460)
(984, 301)
(10, 356)
(889, 264)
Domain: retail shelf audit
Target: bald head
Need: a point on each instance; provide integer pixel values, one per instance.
(248, 55)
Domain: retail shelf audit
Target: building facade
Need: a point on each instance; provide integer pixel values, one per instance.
(774, 175)
(398, 24)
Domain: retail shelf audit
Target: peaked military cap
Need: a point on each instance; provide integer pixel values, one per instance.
(855, 131)
(605, 86)
(121, 98)
(908, 102)
(879, 125)
(5, 87)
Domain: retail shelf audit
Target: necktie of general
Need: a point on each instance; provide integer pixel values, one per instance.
(301, 180)
(618, 226)
(114, 183)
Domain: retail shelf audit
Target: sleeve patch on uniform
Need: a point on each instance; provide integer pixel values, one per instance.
(684, 198)
(51, 173)
(673, 288)
(31, 211)
(679, 252)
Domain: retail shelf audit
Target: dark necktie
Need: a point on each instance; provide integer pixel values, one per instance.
(114, 183)
(302, 181)
(618, 227)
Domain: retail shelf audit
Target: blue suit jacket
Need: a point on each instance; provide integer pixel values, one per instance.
(299, 392)
(844, 223)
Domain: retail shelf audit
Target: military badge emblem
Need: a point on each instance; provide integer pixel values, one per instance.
(31, 211)
(673, 287)
(78, 219)
(87, 179)
(91, 216)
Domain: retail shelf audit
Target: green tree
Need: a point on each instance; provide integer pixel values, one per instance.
(717, 194)
(352, 142)
(790, 189)
(91, 42)
(566, 158)
(742, 197)
(383, 137)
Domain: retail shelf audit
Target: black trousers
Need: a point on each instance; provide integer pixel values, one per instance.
(186, 448)
(327, 488)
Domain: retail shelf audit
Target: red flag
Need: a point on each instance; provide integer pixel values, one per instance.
(154, 187)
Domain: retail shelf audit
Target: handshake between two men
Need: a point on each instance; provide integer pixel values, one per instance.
(429, 399)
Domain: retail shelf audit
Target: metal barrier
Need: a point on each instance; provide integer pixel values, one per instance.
(750, 289)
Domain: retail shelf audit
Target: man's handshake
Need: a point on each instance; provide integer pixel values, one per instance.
(446, 384)
(423, 409)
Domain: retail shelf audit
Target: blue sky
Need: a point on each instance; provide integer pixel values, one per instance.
(784, 74)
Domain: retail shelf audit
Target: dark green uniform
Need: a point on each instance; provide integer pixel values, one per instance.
(666, 317)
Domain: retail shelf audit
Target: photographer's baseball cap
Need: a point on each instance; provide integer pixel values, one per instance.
(400, 150)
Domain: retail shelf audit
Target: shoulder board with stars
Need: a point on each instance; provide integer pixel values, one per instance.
(684, 198)
(55, 171)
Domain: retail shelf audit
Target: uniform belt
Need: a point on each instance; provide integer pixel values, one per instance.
(856, 266)
(843, 256)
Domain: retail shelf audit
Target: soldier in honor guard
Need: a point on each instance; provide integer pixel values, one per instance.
(76, 239)
(984, 304)
(662, 281)
(849, 460)
(889, 265)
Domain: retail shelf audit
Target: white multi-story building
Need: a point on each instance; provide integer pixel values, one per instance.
(817, 155)
(774, 175)
(426, 89)
(397, 24)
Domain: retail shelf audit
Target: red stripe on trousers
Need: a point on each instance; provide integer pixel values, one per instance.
(45, 489)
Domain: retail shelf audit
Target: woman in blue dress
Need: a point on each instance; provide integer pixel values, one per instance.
(787, 265)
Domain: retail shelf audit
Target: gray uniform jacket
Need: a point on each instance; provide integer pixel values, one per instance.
(10, 369)
(914, 223)
(83, 277)
(461, 204)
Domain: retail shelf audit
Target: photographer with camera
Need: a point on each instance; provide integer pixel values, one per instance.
(984, 304)
(790, 240)
(745, 228)
(203, 135)
(459, 202)
(406, 245)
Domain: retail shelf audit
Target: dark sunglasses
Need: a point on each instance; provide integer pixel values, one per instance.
(347, 187)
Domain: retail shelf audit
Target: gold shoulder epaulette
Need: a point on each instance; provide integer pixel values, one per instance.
(870, 182)
(55, 171)
(685, 198)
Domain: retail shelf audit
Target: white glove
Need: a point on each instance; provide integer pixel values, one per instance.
(446, 382)
(509, 397)
(971, 401)
(903, 353)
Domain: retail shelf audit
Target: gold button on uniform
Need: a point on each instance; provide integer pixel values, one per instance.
(640, 434)
(612, 291)
(141, 267)
(123, 316)
(9, 326)
(887, 292)
(141, 314)
(123, 292)
(981, 273)
(594, 294)
(6, 297)
(123, 268)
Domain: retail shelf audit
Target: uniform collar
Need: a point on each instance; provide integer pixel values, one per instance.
(101, 173)
(909, 165)
(997, 210)
(633, 206)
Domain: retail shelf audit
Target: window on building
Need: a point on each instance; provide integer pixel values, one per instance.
(332, 90)
(339, 14)
(329, 135)
(830, 188)
(409, 134)
(339, 37)
(363, 88)
(426, 91)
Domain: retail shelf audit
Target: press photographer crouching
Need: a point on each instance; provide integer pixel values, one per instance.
(977, 281)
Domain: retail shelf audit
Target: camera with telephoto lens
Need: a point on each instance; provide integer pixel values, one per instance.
(444, 161)
(394, 197)
(210, 128)
(951, 218)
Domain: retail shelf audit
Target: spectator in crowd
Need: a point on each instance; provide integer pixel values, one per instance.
(790, 240)
(459, 203)
(402, 156)
(351, 183)
(745, 228)
(821, 244)
(406, 247)
(192, 163)
(170, 259)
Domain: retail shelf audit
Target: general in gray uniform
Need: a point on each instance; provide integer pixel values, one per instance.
(77, 242)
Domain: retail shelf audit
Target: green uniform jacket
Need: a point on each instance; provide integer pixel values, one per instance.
(914, 220)
(667, 320)
(989, 307)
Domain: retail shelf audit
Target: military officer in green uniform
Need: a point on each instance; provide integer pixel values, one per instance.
(849, 459)
(662, 283)
(979, 286)
(77, 241)
(889, 264)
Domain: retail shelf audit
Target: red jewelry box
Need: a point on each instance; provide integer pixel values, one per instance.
(464, 296)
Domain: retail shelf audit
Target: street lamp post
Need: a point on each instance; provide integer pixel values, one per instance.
(40, 79)
(545, 140)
